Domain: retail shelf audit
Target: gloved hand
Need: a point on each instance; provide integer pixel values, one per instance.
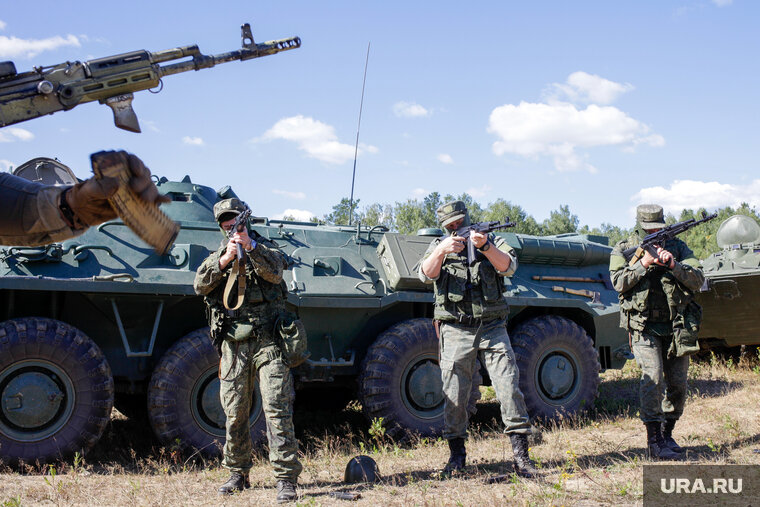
(88, 200)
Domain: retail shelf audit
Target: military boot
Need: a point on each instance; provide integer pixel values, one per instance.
(657, 448)
(524, 466)
(667, 436)
(286, 491)
(457, 457)
(236, 482)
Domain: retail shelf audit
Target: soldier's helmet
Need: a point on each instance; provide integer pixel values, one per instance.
(650, 216)
(450, 212)
(228, 208)
(361, 469)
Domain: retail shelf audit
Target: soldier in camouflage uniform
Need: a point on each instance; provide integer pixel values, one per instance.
(470, 312)
(656, 305)
(34, 214)
(249, 351)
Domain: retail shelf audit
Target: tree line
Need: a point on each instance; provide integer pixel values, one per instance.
(409, 216)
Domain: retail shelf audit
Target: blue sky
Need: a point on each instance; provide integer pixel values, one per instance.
(595, 104)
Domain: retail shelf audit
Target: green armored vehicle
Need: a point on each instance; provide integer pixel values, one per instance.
(732, 288)
(103, 319)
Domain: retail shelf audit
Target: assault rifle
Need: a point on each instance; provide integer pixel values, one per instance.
(655, 239)
(238, 266)
(239, 223)
(111, 80)
(483, 228)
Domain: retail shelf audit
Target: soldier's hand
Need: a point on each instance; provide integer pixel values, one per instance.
(665, 258)
(230, 253)
(478, 239)
(242, 237)
(88, 201)
(648, 259)
(451, 244)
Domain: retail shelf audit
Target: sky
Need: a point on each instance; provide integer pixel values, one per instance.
(597, 105)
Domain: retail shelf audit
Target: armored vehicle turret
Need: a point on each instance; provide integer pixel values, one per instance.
(103, 319)
(732, 288)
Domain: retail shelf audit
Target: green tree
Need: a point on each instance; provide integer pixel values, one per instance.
(378, 214)
(501, 210)
(340, 213)
(560, 221)
(409, 216)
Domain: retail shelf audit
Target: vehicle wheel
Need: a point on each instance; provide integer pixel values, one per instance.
(183, 398)
(400, 380)
(559, 366)
(56, 390)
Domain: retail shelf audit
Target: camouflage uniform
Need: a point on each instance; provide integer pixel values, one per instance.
(29, 213)
(248, 350)
(472, 310)
(651, 300)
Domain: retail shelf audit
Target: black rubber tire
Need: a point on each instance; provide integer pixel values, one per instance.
(186, 375)
(45, 355)
(544, 347)
(391, 361)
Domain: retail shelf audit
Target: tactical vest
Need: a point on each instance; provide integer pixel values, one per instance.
(263, 303)
(655, 301)
(463, 293)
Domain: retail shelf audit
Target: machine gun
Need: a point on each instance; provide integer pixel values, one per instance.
(240, 221)
(655, 239)
(111, 80)
(483, 228)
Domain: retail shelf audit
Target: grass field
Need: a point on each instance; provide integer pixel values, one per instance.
(591, 460)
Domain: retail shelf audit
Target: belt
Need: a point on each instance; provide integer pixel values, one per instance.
(467, 320)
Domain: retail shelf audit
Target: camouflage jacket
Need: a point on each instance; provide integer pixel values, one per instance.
(475, 291)
(29, 213)
(265, 290)
(651, 298)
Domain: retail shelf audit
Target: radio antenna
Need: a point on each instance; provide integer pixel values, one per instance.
(356, 147)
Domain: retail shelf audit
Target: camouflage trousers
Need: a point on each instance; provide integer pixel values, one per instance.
(241, 363)
(460, 347)
(662, 390)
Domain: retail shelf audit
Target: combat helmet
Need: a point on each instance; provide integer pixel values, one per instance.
(228, 208)
(452, 211)
(361, 469)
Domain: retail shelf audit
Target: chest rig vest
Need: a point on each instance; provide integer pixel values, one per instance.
(656, 300)
(466, 294)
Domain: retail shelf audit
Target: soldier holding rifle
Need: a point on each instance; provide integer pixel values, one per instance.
(656, 286)
(470, 315)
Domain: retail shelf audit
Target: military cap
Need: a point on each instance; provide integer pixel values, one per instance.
(451, 212)
(650, 216)
(228, 208)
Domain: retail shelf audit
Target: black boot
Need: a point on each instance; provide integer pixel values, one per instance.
(657, 448)
(236, 482)
(286, 491)
(524, 466)
(457, 456)
(667, 436)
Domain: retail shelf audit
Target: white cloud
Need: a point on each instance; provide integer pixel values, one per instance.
(290, 195)
(301, 215)
(3, 24)
(479, 192)
(368, 148)
(10, 134)
(13, 47)
(691, 194)
(194, 141)
(409, 110)
(5, 165)
(317, 139)
(445, 158)
(419, 192)
(151, 125)
(584, 88)
(559, 129)
(722, 3)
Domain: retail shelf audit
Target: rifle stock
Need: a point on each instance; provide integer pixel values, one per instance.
(112, 80)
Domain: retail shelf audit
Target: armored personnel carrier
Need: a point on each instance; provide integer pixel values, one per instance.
(103, 319)
(732, 288)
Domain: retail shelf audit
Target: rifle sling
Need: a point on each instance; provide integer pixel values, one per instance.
(237, 273)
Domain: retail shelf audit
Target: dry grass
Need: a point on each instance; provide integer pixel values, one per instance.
(591, 460)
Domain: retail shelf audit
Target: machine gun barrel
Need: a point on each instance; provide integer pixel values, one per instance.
(112, 80)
